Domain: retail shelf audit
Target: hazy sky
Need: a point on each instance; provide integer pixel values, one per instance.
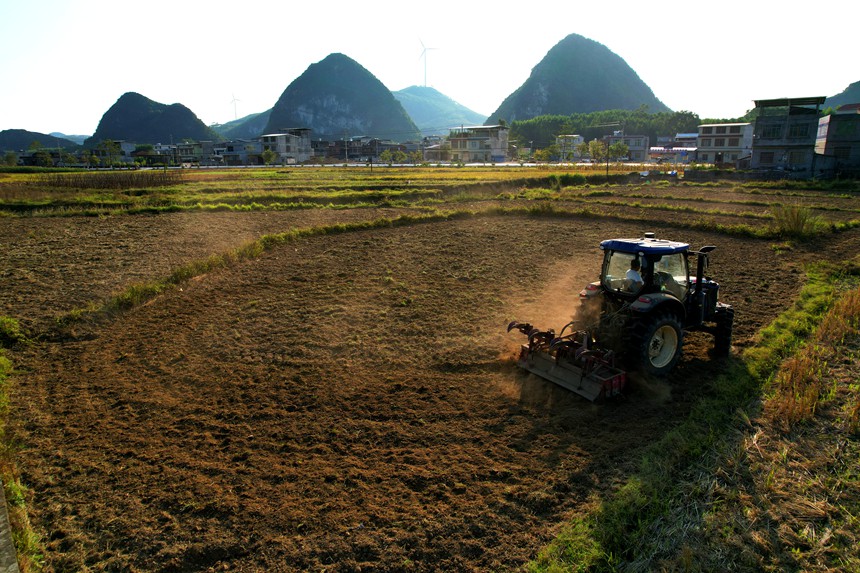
(63, 64)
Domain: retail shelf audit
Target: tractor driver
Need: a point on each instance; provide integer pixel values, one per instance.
(634, 279)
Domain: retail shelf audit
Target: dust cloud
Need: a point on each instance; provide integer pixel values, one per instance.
(549, 304)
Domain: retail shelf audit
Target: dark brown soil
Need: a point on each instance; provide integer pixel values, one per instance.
(345, 402)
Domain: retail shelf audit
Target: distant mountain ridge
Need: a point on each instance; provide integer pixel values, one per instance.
(435, 113)
(336, 97)
(79, 139)
(139, 119)
(21, 140)
(577, 75)
(247, 127)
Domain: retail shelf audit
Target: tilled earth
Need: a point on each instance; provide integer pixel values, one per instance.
(344, 402)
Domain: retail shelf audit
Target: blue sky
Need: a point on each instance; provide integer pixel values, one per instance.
(64, 63)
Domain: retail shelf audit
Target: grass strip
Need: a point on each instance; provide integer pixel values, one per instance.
(28, 545)
(639, 522)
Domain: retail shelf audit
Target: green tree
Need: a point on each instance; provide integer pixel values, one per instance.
(617, 150)
(41, 156)
(547, 153)
(583, 149)
(522, 155)
(269, 156)
(110, 149)
(597, 150)
(10, 159)
(386, 156)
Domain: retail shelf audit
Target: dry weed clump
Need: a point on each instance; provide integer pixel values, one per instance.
(802, 381)
(795, 221)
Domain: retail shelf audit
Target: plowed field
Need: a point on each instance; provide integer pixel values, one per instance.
(344, 402)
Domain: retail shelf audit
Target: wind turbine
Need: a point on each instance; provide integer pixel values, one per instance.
(235, 114)
(423, 55)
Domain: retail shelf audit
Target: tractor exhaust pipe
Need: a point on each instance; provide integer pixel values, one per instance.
(698, 295)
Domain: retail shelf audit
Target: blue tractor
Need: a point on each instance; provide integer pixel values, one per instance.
(633, 318)
(646, 299)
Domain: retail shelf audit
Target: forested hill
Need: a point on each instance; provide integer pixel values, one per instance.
(338, 98)
(136, 118)
(577, 75)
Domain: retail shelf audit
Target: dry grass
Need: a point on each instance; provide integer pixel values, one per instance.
(803, 380)
(786, 492)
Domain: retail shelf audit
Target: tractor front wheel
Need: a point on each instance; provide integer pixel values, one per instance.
(656, 343)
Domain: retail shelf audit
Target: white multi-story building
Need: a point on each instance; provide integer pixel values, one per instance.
(292, 146)
(720, 143)
(479, 144)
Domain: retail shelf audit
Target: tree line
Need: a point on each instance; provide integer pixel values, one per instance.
(540, 132)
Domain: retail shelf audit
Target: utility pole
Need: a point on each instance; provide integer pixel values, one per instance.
(614, 124)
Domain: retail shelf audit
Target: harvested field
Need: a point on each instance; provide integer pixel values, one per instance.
(344, 402)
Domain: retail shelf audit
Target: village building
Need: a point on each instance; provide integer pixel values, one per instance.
(479, 144)
(785, 135)
(638, 145)
(837, 142)
(292, 145)
(724, 143)
(678, 149)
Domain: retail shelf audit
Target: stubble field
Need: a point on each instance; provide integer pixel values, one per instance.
(342, 402)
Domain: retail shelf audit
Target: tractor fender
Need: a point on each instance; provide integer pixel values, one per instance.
(647, 303)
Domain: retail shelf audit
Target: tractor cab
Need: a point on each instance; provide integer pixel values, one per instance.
(636, 267)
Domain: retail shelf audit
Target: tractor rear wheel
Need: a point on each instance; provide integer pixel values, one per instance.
(656, 343)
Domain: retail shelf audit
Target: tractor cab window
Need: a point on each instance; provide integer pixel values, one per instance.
(624, 272)
(671, 274)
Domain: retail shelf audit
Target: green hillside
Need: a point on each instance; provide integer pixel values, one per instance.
(337, 98)
(577, 75)
(136, 118)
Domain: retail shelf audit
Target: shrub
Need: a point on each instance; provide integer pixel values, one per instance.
(10, 332)
(795, 221)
